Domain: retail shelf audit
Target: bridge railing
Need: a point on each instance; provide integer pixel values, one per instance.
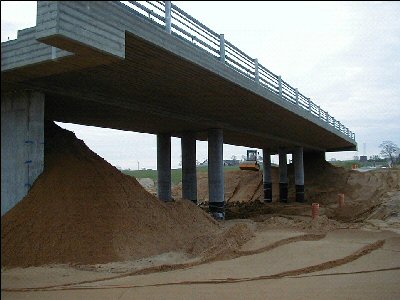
(177, 22)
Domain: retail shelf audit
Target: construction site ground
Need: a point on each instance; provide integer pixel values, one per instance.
(86, 231)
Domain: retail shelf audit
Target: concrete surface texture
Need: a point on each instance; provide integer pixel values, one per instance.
(103, 65)
(164, 166)
(99, 63)
(189, 175)
(22, 144)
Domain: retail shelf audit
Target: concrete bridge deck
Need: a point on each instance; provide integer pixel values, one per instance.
(107, 64)
(114, 69)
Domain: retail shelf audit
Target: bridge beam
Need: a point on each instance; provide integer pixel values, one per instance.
(164, 166)
(299, 173)
(216, 174)
(22, 144)
(267, 178)
(283, 179)
(189, 176)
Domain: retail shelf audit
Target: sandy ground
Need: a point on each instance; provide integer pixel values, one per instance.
(277, 263)
(119, 242)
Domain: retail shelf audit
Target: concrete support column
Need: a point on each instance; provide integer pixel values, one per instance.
(189, 176)
(22, 144)
(216, 174)
(267, 178)
(164, 166)
(283, 180)
(299, 173)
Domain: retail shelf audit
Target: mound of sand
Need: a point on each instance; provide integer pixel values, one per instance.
(369, 194)
(82, 210)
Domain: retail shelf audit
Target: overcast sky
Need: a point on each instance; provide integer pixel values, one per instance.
(345, 56)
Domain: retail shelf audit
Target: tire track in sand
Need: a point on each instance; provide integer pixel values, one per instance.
(314, 268)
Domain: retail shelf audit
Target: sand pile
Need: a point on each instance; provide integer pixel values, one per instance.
(239, 186)
(322, 224)
(366, 193)
(82, 210)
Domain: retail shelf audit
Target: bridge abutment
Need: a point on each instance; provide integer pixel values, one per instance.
(22, 144)
(267, 178)
(283, 178)
(164, 166)
(189, 176)
(216, 173)
(299, 173)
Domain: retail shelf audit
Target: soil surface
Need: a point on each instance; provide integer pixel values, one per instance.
(82, 210)
(87, 231)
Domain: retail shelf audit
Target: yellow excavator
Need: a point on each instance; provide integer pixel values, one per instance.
(251, 162)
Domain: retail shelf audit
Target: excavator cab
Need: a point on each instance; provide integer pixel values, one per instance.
(251, 161)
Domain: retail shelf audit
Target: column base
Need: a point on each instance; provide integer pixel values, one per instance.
(300, 193)
(194, 201)
(217, 210)
(283, 192)
(267, 192)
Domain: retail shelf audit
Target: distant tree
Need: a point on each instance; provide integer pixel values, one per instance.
(374, 158)
(233, 157)
(389, 150)
(244, 157)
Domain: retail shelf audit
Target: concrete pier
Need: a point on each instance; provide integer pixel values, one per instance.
(22, 144)
(189, 176)
(164, 166)
(267, 178)
(283, 180)
(72, 46)
(216, 174)
(299, 173)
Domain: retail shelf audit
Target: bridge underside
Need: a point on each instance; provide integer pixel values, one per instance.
(155, 91)
(98, 64)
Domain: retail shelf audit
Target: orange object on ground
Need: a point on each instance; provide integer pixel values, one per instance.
(341, 200)
(250, 165)
(315, 210)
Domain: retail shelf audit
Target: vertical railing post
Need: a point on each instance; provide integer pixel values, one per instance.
(297, 96)
(256, 73)
(168, 16)
(327, 117)
(222, 47)
(280, 85)
(319, 112)
(309, 104)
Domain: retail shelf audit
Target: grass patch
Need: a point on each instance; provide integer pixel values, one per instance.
(176, 174)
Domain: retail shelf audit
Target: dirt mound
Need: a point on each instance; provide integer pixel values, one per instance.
(318, 225)
(223, 245)
(367, 194)
(82, 210)
(239, 186)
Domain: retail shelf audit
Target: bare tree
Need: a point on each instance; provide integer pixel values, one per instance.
(389, 150)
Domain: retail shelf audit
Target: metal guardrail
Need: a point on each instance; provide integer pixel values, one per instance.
(178, 23)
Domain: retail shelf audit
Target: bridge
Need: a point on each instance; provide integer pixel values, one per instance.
(150, 67)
